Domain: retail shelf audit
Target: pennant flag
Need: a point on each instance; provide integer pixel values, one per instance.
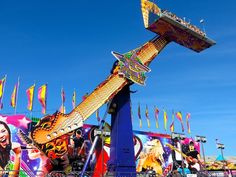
(42, 97)
(172, 126)
(165, 120)
(139, 116)
(63, 99)
(2, 86)
(147, 116)
(14, 94)
(30, 96)
(74, 99)
(179, 117)
(97, 115)
(63, 109)
(187, 121)
(156, 110)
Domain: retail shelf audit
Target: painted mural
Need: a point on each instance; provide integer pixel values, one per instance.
(156, 152)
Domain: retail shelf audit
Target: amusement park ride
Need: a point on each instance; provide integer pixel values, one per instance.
(130, 68)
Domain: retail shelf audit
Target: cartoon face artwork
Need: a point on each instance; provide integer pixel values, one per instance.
(4, 136)
(56, 148)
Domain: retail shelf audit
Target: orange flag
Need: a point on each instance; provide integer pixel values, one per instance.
(165, 120)
(42, 97)
(2, 86)
(179, 116)
(30, 96)
(147, 117)
(15, 94)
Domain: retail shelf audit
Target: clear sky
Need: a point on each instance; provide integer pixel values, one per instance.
(69, 44)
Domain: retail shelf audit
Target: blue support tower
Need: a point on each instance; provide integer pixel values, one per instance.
(122, 158)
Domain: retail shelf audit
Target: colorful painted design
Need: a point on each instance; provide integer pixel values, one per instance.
(131, 67)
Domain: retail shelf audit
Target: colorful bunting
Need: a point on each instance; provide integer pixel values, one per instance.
(139, 116)
(187, 121)
(156, 110)
(42, 97)
(2, 86)
(179, 117)
(30, 96)
(15, 94)
(74, 99)
(147, 116)
(165, 120)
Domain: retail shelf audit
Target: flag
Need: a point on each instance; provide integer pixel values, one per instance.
(165, 120)
(42, 97)
(2, 85)
(179, 117)
(63, 109)
(30, 96)
(139, 116)
(63, 99)
(74, 99)
(97, 115)
(172, 126)
(187, 121)
(156, 110)
(14, 94)
(147, 116)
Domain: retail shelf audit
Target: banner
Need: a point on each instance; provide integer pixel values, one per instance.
(2, 86)
(42, 97)
(14, 94)
(30, 96)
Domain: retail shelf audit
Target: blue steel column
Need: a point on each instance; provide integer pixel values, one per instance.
(122, 158)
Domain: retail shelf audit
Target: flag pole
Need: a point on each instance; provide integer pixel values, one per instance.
(17, 90)
(5, 77)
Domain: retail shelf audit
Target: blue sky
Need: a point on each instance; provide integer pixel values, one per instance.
(69, 44)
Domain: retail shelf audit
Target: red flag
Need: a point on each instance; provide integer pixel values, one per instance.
(147, 116)
(42, 96)
(139, 116)
(30, 96)
(156, 110)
